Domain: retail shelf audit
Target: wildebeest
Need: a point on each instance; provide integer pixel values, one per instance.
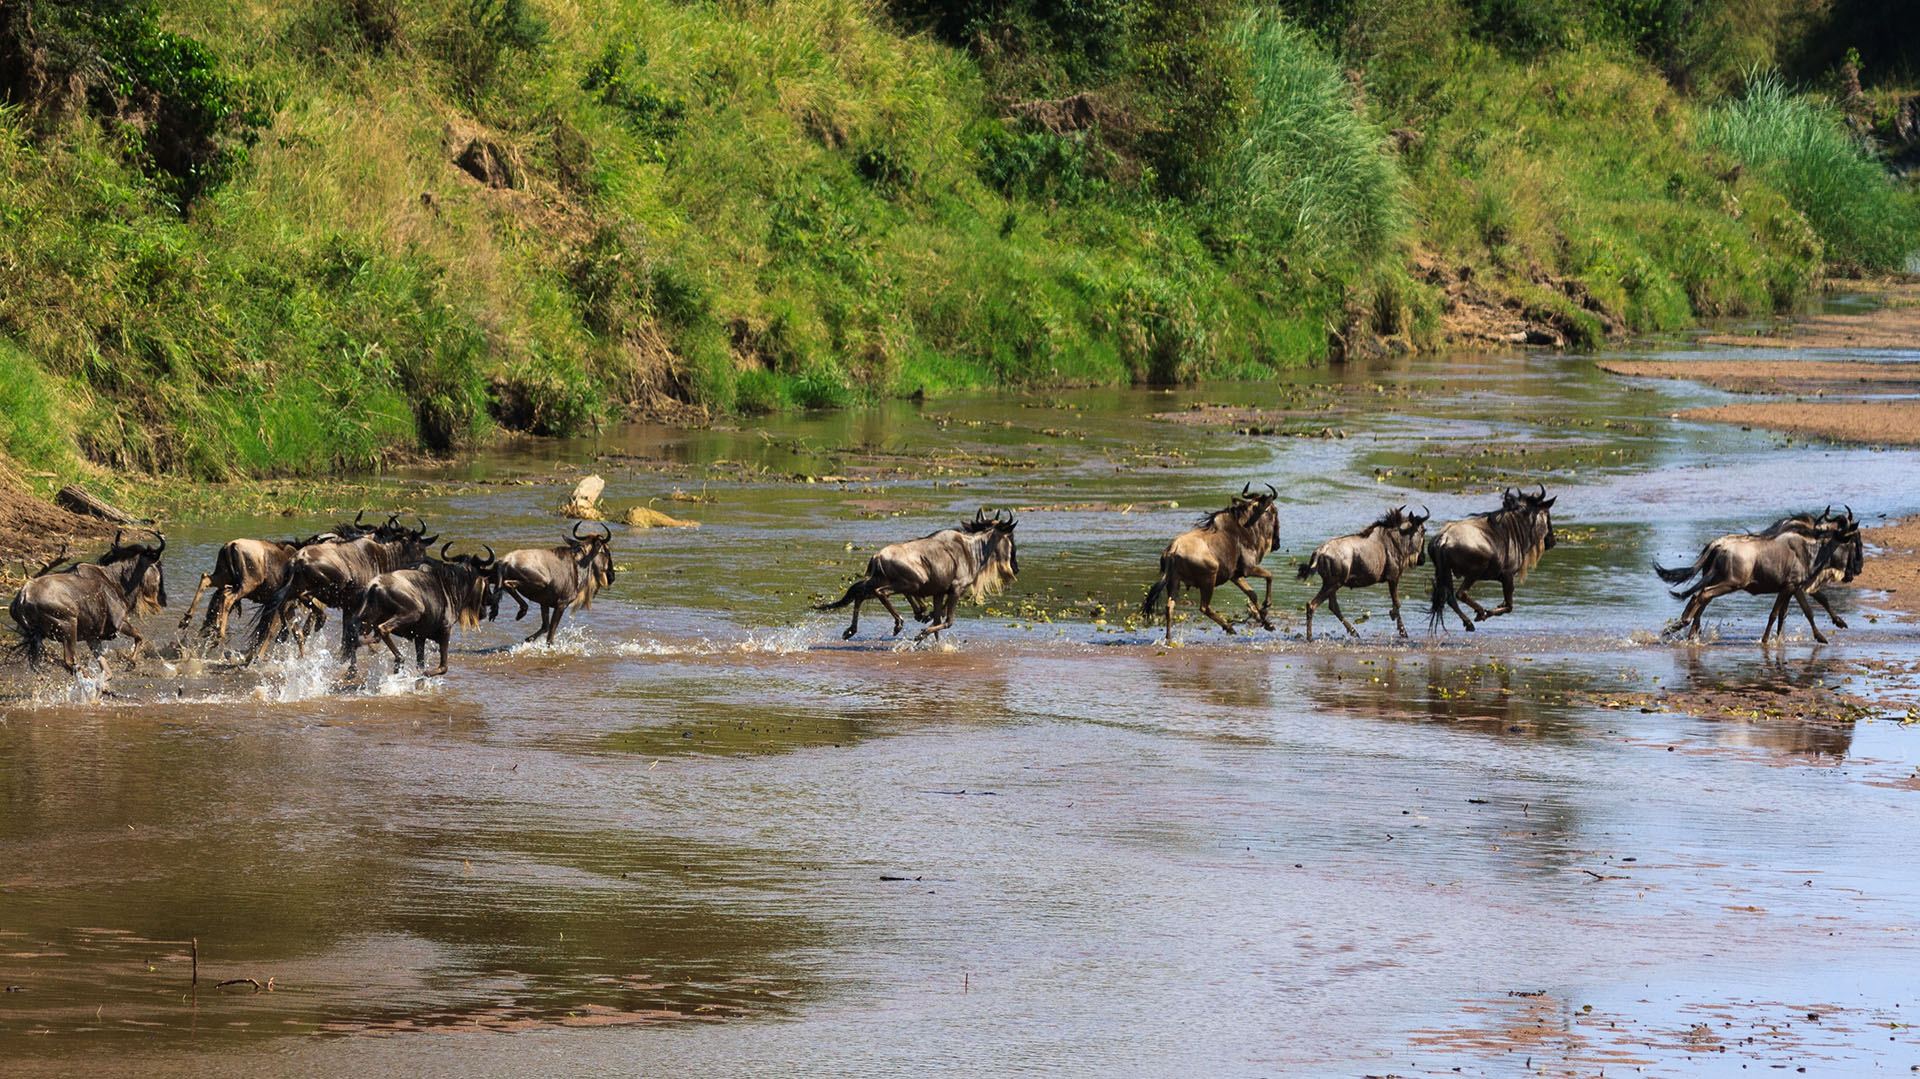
(1382, 551)
(975, 558)
(1792, 558)
(423, 604)
(249, 570)
(91, 601)
(1224, 547)
(1499, 545)
(556, 578)
(334, 575)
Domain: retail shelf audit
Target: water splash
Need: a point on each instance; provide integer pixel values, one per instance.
(569, 641)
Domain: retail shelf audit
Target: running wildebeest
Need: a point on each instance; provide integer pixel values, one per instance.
(423, 604)
(91, 601)
(249, 570)
(1794, 557)
(1499, 545)
(1223, 548)
(975, 558)
(556, 578)
(1382, 551)
(334, 575)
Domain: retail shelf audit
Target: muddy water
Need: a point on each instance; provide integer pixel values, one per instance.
(703, 835)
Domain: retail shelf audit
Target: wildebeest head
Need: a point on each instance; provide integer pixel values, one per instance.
(1257, 514)
(1405, 533)
(1849, 553)
(998, 555)
(1536, 508)
(140, 565)
(598, 554)
(467, 578)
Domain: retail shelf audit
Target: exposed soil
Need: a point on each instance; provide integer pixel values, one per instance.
(1895, 324)
(1778, 376)
(1890, 423)
(1893, 566)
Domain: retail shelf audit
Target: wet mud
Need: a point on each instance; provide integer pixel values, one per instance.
(702, 831)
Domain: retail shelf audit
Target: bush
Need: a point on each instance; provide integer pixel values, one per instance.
(1865, 220)
(176, 115)
(1308, 177)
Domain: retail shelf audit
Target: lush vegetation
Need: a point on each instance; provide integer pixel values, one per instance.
(245, 238)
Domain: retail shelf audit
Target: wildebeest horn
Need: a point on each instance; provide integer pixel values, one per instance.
(443, 549)
(157, 551)
(980, 514)
(1543, 491)
(490, 558)
(1271, 493)
(607, 530)
(1427, 515)
(422, 522)
(393, 520)
(1849, 510)
(1246, 489)
(428, 540)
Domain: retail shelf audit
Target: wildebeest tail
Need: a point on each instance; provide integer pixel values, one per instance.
(1680, 573)
(860, 589)
(1304, 570)
(1151, 604)
(1442, 587)
(269, 618)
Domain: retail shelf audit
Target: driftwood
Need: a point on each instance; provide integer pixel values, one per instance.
(72, 498)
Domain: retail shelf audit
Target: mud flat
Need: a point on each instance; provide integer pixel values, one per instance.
(1894, 324)
(1893, 567)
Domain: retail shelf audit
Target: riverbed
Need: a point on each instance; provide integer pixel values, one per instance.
(702, 834)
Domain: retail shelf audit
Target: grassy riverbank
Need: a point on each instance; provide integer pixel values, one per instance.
(247, 239)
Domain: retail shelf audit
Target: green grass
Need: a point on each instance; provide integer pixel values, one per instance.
(795, 204)
(1865, 220)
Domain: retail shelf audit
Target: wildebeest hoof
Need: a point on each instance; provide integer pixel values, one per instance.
(848, 635)
(1229, 630)
(1468, 625)
(1838, 622)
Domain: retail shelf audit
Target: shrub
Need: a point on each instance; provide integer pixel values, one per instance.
(1308, 176)
(1865, 220)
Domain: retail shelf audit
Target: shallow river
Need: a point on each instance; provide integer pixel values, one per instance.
(702, 835)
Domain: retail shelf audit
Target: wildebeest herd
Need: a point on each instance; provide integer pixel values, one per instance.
(387, 582)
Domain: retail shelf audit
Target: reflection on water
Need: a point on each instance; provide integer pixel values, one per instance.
(702, 824)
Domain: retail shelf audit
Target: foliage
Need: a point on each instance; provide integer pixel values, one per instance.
(1828, 175)
(176, 114)
(1307, 178)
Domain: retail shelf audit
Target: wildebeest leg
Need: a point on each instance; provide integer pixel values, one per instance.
(1807, 609)
(134, 652)
(216, 629)
(1259, 612)
(1776, 613)
(1327, 589)
(1333, 604)
(420, 655)
(546, 613)
(898, 625)
(1453, 601)
(384, 631)
(1206, 607)
(70, 637)
(186, 619)
(1506, 601)
(943, 608)
(553, 624)
(1479, 612)
(1393, 593)
(922, 612)
(421, 644)
(1821, 599)
(1697, 606)
(853, 627)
